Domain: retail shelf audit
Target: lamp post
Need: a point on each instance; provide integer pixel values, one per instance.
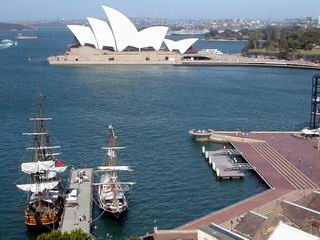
(289, 154)
(299, 162)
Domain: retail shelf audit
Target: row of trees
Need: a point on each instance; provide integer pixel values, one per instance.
(73, 235)
(228, 34)
(58, 235)
(12, 26)
(284, 40)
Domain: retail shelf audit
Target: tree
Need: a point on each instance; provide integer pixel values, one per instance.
(310, 39)
(212, 34)
(77, 234)
(254, 39)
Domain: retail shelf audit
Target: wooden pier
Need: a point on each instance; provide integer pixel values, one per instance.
(77, 212)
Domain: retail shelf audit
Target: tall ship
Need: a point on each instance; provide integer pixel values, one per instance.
(45, 194)
(113, 195)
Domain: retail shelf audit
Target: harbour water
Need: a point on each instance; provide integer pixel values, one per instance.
(151, 108)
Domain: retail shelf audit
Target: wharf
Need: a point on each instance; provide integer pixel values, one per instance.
(223, 165)
(287, 163)
(77, 212)
(235, 60)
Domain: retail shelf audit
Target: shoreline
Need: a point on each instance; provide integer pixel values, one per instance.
(249, 64)
(223, 40)
(213, 63)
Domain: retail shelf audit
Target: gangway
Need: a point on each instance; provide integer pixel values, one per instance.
(239, 166)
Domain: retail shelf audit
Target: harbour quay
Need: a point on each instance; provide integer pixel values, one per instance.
(77, 212)
(287, 162)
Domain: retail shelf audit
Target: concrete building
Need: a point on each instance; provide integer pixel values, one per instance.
(119, 42)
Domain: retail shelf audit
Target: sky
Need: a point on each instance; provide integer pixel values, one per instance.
(23, 10)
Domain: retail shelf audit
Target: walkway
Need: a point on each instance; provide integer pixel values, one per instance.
(286, 180)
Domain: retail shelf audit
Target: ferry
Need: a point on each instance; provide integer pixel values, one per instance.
(25, 37)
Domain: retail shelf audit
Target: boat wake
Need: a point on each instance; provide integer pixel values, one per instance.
(6, 43)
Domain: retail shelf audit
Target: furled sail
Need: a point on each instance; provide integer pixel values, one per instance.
(43, 147)
(35, 133)
(115, 183)
(113, 148)
(115, 168)
(40, 119)
(36, 188)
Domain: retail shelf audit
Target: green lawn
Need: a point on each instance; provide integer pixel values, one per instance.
(301, 51)
(315, 51)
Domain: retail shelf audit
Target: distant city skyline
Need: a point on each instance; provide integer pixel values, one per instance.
(17, 10)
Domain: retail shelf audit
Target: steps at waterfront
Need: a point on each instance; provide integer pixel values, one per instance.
(293, 175)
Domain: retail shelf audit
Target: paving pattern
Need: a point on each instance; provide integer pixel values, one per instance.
(275, 157)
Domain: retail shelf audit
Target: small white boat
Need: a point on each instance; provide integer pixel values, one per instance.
(201, 135)
(6, 43)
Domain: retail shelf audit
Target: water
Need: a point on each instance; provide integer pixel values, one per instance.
(151, 108)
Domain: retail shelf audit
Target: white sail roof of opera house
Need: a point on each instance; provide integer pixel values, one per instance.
(123, 29)
(182, 46)
(122, 33)
(83, 34)
(102, 32)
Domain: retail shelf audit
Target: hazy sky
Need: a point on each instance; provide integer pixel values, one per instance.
(15, 10)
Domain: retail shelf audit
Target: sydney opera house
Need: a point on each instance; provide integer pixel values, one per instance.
(119, 42)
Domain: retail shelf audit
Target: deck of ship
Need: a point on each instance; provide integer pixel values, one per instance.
(78, 215)
(289, 164)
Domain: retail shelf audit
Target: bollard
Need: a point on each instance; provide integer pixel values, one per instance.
(206, 155)
(203, 149)
(210, 161)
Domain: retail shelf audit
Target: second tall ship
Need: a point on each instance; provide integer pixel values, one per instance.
(112, 193)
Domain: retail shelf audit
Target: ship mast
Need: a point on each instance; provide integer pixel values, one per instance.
(112, 161)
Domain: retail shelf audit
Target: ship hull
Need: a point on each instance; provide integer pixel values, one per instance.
(42, 216)
(116, 215)
(42, 223)
(107, 204)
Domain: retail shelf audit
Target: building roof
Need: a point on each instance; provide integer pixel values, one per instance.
(102, 33)
(83, 34)
(121, 33)
(284, 231)
(221, 233)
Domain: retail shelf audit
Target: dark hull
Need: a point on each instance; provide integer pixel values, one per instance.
(44, 222)
(43, 228)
